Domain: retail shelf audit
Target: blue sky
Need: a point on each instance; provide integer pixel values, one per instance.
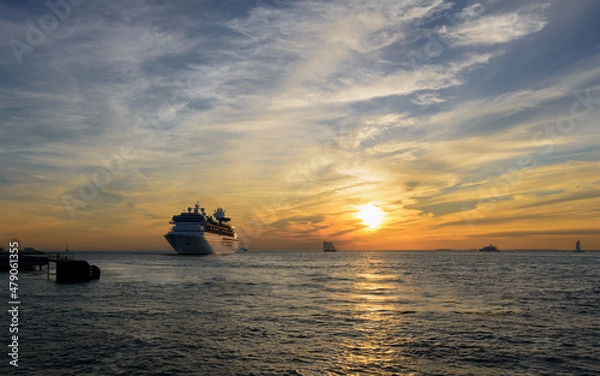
(465, 122)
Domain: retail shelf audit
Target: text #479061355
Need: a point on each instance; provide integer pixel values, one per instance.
(13, 302)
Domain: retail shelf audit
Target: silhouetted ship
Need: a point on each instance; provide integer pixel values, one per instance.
(195, 233)
(328, 247)
(578, 247)
(489, 248)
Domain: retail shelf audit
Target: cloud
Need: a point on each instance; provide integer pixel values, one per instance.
(290, 115)
(496, 29)
(541, 234)
(424, 99)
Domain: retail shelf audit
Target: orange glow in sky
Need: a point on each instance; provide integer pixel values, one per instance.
(373, 124)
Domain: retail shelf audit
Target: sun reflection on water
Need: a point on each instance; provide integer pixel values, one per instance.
(380, 302)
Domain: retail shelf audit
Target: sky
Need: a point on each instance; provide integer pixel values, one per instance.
(460, 123)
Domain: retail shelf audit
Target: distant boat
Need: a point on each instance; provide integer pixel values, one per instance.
(242, 249)
(489, 248)
(328, 247)
(578, 247)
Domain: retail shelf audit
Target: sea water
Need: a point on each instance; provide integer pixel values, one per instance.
(313, 313)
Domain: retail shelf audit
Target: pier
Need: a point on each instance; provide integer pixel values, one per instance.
(68, 270)
(31, 260)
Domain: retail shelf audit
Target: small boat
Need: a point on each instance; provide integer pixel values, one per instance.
(489, 248)
(328, 247)
(242, 249)
(578, 246)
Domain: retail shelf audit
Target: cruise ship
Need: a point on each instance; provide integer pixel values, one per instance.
(196, 233)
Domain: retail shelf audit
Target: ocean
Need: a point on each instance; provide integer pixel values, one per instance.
(313, 313)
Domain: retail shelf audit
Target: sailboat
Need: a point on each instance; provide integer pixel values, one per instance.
(328, 247)
(578, 246)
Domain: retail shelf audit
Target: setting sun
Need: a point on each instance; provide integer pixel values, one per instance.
(371, 215)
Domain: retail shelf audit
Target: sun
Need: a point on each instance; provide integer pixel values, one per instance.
(371, 215)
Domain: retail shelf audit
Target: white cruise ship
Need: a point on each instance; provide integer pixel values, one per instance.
(195, 233)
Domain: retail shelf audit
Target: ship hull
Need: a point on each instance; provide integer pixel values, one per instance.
(202, 243)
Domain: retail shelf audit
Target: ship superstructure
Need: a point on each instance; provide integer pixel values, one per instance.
(193, 232)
